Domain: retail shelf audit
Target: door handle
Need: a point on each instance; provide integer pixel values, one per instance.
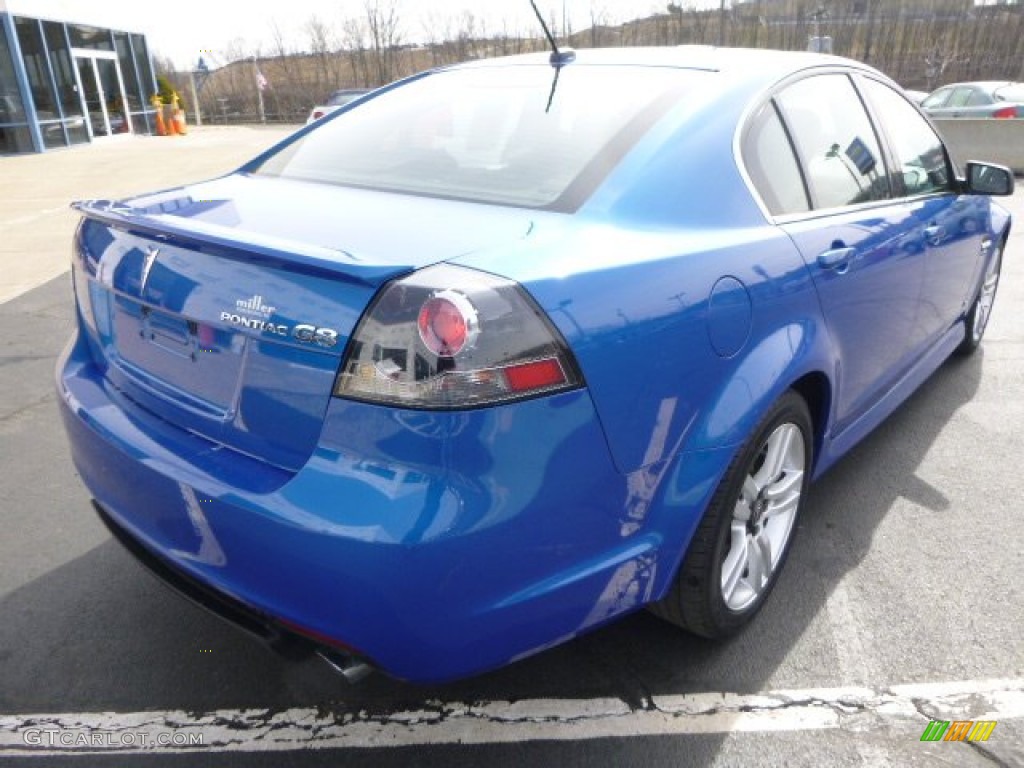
(935, 234)
(836, 258)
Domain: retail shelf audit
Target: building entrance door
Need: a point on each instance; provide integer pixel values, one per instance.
(102, 90)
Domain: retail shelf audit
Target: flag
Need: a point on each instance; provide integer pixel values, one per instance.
(261, 81)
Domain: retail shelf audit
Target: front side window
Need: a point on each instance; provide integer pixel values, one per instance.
(923, 165)
(835, 141)
(510, 135)
(937, 99)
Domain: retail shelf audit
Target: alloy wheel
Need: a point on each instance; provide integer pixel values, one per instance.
(763, 516)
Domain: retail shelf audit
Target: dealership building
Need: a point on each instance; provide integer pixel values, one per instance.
(66, 79)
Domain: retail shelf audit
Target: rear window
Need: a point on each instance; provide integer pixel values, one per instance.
(341, 98)
(489, 134)
(1011, 92)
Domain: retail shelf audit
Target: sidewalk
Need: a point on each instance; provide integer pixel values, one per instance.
(36, 224)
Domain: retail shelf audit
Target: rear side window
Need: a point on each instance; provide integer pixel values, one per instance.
(835, 141)
(923, 165)
(769, 159)
(978, 99)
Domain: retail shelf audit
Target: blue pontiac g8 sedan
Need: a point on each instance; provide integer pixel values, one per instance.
(507, 350)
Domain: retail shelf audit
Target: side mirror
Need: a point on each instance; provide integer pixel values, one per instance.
(988, 179)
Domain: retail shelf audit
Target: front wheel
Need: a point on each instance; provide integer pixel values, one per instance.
(981, 309)
(741, 544)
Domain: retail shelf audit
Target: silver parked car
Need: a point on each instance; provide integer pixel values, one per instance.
(1000, 99)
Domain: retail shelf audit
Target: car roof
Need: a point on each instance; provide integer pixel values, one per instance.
(742, 63)
(985, 85)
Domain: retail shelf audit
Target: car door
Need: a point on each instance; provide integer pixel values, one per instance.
(859, 243)
(951, 227)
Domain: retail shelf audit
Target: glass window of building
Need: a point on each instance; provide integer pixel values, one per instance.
(68, 97)
(37, 67)
(63, 84)
(83, 36)
(14, 135)
(127, 62)
(146, 84)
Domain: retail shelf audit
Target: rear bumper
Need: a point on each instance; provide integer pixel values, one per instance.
(435, 545)
(244, 617)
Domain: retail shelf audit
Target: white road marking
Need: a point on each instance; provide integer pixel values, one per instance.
(259, 730)
(855, 663)
(35, 216)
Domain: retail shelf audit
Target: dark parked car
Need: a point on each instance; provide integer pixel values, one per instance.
(514, 348)
(985, 99)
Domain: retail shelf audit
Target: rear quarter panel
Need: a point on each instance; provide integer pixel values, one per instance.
(628, 281)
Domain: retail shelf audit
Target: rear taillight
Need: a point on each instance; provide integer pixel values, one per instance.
(1005, 112)
(451, 337)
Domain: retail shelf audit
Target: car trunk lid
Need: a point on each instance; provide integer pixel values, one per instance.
(225, 308)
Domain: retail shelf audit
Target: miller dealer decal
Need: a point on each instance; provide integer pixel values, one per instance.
(253, 314)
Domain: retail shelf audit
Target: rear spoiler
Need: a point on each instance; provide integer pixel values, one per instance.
(239, 244)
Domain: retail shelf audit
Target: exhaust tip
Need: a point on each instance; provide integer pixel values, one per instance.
(349, 667)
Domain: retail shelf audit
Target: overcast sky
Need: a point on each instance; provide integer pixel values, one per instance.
(182, 28)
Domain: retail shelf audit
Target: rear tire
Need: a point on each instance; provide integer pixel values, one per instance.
(981, 310)
(742, 542)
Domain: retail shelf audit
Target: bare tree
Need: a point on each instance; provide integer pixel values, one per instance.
(920, 43)
(323, 49)
(382, 25)
(354, 35)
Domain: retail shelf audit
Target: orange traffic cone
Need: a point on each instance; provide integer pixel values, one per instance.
(161, 129)
(179, 122)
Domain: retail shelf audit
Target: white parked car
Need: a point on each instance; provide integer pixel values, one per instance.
(335, 101)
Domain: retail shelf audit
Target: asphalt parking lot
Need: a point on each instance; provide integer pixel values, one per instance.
(902, 601)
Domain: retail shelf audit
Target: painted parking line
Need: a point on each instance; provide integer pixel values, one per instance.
(258, 730)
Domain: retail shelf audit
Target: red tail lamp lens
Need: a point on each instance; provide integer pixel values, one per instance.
(538, 374)
(445, 325)
(1005, 112)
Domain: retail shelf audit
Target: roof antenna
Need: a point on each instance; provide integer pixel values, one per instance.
(558, 58)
